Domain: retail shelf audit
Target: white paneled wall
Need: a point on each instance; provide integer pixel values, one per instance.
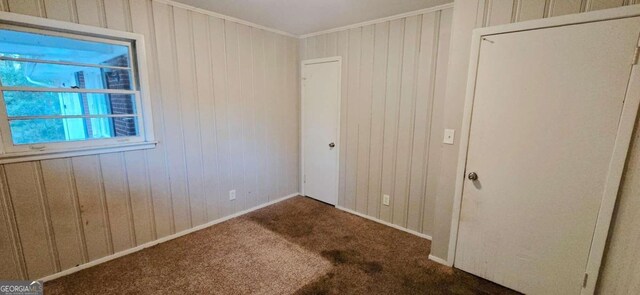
(393, 76)
(225, 106)
(508, 11)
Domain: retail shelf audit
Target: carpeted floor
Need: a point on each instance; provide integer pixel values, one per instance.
(298, 246)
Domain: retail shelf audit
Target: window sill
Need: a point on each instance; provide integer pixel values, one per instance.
(53, 154)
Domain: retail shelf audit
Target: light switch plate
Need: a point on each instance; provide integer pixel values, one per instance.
(385, 200)
(449, 136)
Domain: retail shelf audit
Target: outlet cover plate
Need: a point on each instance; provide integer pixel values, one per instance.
(449, 136)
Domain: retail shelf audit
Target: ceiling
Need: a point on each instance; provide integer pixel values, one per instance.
(300, 17)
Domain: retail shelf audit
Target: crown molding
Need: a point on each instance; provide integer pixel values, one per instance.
(225, 17)
(380, 20)
(356, 25)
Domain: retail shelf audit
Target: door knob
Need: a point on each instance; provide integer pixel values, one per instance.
(332, 145)
(473, 176)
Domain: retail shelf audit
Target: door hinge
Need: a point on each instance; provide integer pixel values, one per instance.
(305, 179)
(585, 280)
(636, 56)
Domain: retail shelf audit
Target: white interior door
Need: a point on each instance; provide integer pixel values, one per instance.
(546, 112)
(320, 123)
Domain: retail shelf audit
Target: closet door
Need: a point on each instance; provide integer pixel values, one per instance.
(545, 117)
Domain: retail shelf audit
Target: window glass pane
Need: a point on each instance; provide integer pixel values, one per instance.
(42, 75)
(55, 48)
(23, 103)
(71, 129)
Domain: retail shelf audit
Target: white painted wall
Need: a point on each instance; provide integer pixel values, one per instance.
(393, 82)
(225, 105)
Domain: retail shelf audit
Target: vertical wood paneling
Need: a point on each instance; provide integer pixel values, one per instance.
(381, 40)
(206, 109)
(188, 105)
(30, 216)
(310, 48)
(117, 15)
(210, 82)
(423, 115)
(294, 106)
(174, 139)
(279, 117)
(9, 262)
(117, 201)
(481, 13)
(437, 120)
(271, 112)
(261, 119)
(302, 47)
(60, 10)
(140, 195)
(158, 177)
(392, 105)
(364, 120)
(321, 43)
(90, 12)
(603, 4)
(289, 149)
(343, 47)
(332, 44)
(234, 112)
(405, 120)
(499, 12)
(11, 257)
(64, 212)
(28, 7)
(353, 106)
(248, 123)
(217, 39)
(391, 114)
(562, 7)
(276, 135)
(530, 9)
(93, 210)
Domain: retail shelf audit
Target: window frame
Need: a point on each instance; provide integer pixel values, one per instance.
(10, 152)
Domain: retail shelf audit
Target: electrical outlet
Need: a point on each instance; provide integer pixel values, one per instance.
(232, 194)
(449, 136)
(385, 200)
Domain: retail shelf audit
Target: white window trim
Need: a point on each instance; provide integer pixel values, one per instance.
(145, 140)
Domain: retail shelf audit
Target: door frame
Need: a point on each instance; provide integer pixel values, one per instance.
(304, 63)
(622, 142)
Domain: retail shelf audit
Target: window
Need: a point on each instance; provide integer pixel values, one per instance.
(64, 92)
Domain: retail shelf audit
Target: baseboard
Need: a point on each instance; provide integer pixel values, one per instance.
(158, 241)
(413, 232)
(439, 260)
